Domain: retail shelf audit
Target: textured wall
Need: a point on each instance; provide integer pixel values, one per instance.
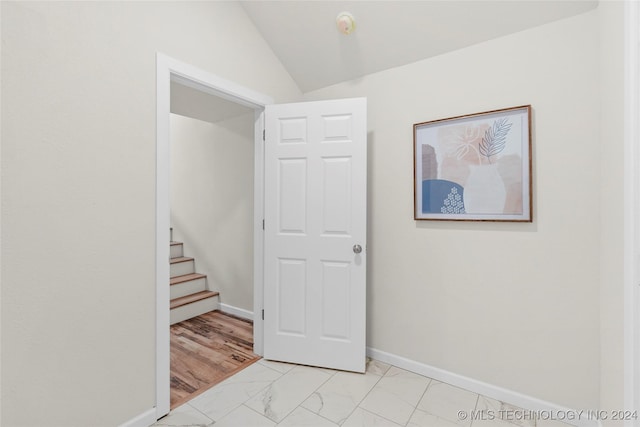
(78, 193)
(515, 305)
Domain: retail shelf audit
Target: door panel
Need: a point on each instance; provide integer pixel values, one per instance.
(336, 213)
(336, 299)
(291, 286)
(292, 209)
(315, 213)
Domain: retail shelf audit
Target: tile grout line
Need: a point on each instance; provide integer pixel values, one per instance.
(415, 408)
(316, 414)
(295, 407)
(475, 408)
(380, 416)
(307, 397)
(198, 410)
(366, 394)
(247, 399)
(269, 367)
(425, 390)
(250, 408)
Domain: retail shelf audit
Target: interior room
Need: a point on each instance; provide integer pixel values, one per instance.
(541, 314)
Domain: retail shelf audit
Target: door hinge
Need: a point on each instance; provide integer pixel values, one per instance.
(263, 314)
(264, 134)
(263, 224)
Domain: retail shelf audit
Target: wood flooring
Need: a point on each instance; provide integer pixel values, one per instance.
(205, 350)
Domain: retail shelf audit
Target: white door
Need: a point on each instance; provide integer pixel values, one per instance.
(315, 233)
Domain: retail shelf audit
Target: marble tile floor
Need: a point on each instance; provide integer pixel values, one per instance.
(280, 394)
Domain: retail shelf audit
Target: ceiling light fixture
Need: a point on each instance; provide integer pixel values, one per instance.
(346, 23)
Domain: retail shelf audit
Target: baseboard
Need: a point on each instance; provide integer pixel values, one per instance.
(537, 406)
(240, 312)
(145, 419)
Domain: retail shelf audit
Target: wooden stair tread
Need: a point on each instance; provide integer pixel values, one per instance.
(180, 259)
(178, 302)
(186, 278)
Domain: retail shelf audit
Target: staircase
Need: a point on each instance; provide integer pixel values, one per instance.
(188, 289)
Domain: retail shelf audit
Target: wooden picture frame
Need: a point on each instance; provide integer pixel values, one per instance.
(475, 167)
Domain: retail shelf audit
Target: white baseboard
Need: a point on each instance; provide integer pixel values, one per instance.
(145, 419)
(240, 312)
(537, 406)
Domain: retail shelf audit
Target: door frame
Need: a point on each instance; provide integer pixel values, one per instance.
(167, 70)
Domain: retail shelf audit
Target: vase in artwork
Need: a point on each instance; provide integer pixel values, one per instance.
(484, 191)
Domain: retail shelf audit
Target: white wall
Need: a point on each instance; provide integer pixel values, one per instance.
(212, 201)
(515, 305)
(78, 193)
(612, 195)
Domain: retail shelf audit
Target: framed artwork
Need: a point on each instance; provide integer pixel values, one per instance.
(474, 168)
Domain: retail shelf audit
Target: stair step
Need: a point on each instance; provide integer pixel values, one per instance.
(193, 305)
(176, 250)
(181, 266)
(186, 278)
(187, 284)
(178, 302)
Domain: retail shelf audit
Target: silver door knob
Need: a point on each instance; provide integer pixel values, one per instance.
(357, 249)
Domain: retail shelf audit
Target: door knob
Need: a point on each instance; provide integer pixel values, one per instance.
(357, 249)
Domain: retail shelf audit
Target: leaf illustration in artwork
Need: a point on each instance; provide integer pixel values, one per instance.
(462, 151)
(495, 138)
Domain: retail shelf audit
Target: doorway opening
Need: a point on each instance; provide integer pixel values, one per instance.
(211, 214)
(199, 84)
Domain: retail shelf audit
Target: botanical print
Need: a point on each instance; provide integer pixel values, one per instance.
(473, 166)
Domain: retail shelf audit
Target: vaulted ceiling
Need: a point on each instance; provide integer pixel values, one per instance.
(388, 34)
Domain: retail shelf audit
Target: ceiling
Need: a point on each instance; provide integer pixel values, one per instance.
(303, 34)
